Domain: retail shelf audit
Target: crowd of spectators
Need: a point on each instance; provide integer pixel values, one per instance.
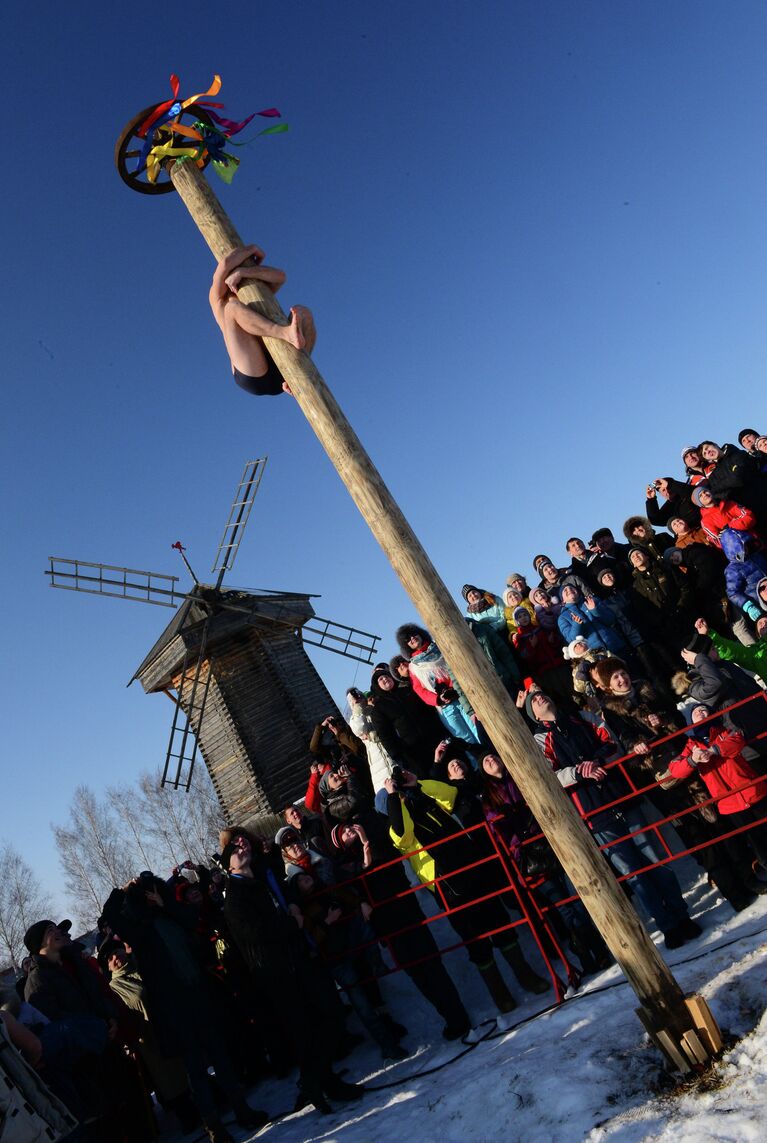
(252, 966)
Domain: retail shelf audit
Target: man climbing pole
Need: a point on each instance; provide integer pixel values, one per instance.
(243, 327)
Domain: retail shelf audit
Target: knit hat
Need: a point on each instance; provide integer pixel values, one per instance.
(335, 836)
(603, 572)
(33, 937)
(515, 575)
(539, 561)
(529, 704)
(606, 669)
(702, 487)
(467, 587)
(379, 670)
(636, 548)
(521, 613)
(670, 555)
(688, 448)
(744, 433)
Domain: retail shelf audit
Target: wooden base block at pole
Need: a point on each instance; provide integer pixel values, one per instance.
(696, 1047)
(660, 995)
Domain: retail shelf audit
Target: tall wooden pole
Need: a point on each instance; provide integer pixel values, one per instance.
(663, 1009)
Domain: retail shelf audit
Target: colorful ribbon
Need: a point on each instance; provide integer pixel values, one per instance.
(165, 136)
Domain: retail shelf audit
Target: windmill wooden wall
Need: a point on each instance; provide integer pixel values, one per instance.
(264, 699)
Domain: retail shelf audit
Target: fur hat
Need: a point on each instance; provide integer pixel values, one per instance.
(606, 669)
(680, 683)
(394, 664)
(636, 522)
(405, 632)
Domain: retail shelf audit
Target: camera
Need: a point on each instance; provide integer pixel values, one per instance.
(398, 777)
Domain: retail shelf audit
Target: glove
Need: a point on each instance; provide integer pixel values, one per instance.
(591, 770)
(753, 611)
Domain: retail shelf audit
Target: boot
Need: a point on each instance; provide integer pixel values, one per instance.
(310, 1094)
(527, 977)
(248, 1116)
(216, 1131)
(336, 1088)
(590, 949)
(496, 986)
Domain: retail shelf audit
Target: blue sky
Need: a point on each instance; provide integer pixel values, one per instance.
(533, 238)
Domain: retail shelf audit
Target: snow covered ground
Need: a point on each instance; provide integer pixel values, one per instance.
(582, 1071)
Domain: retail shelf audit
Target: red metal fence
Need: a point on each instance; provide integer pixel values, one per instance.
(513, 883)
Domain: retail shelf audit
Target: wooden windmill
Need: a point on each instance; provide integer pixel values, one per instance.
(244, 689)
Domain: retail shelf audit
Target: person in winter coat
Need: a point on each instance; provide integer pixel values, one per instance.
(338, 924)
(380, 761)
(407, 728)
(539, 870)
(678, 503)
(484, 607)
(634, 718)
(540, 653)
(640, 533)
(704, 568)
(652, 657)
(591, 620)
(547, 608)
(732, 475)
(684, 534)
(580, 559)
(159, 930)
(752, 658)
(292, 988)
(343, 793)
(719, 685)
(301, 858)
(553, 579)
(716, 515)
(576, 752)
(513, 598)
(746, 569)
(432, 682)
(694, 465)
(498, 650)
(660, 599)
(715, 754)
(420, 815)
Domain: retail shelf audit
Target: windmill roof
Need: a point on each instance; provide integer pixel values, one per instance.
(279, 606)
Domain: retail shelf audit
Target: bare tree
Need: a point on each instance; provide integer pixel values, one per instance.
(22, 902)
(92, 852)
(181, 825)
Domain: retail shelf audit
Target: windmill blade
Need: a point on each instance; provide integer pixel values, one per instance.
(121, 583)
(239, 514)
(340, 639)
(187, 720)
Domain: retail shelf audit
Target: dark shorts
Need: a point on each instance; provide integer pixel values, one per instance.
(269, 384)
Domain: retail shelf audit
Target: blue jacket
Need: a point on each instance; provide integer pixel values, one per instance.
(745, 569)
(599, 627)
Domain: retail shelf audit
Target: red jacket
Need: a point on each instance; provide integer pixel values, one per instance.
(312, 795)
(726, 514)
(724, 772)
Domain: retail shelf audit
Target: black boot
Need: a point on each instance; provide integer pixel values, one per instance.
(310, 1094)
(336, 1088)
(590, 949)
(527, 977)
(248, 1116)
(496, 986)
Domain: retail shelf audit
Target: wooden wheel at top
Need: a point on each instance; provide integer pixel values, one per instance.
(131, 146)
